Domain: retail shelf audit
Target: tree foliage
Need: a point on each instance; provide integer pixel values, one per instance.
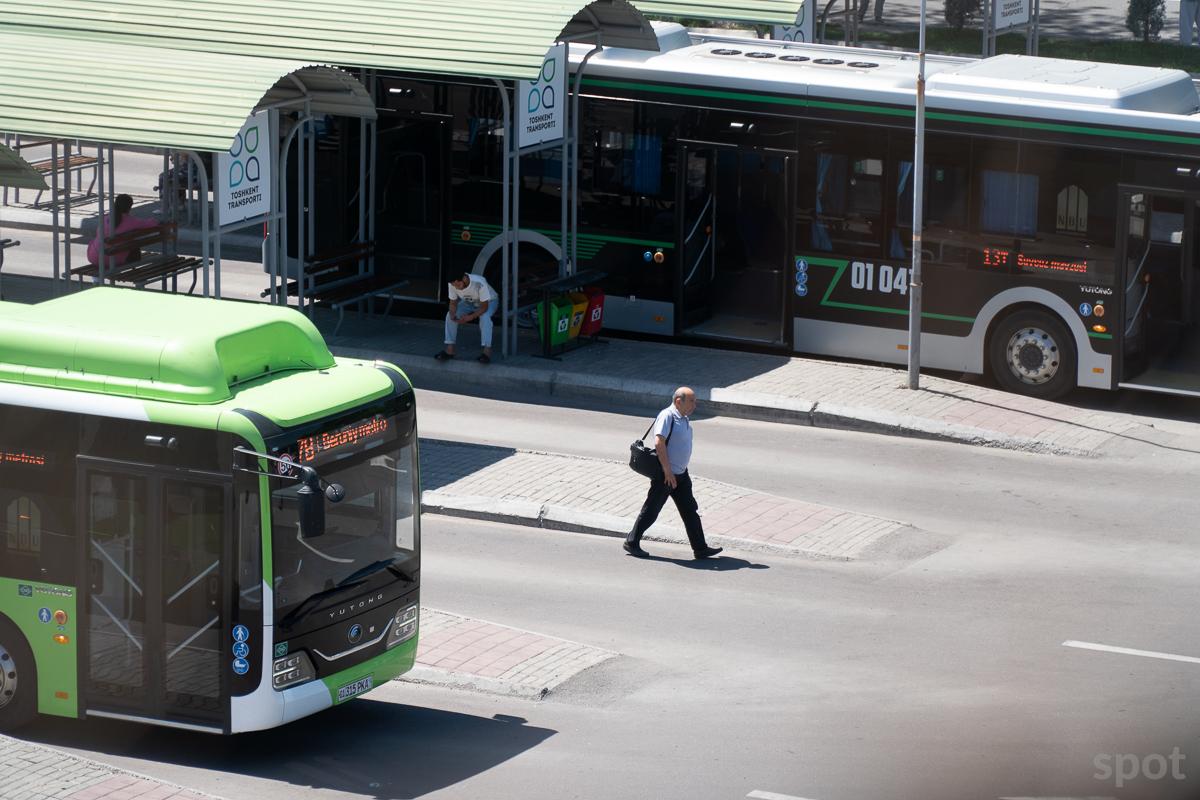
(960, 12)
(1145, 18)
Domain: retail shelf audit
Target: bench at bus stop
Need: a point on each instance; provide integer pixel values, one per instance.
(148, 267)
(340, 278)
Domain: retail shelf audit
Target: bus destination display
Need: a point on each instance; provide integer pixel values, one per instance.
(23, 458)
(309, 448)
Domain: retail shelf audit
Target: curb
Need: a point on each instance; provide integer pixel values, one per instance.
(564, 518)
(454, 376)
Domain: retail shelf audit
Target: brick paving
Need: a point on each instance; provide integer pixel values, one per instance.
(452, 471)
(508, 660)
(30, 771)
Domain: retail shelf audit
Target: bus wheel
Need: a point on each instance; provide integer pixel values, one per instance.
(1031, 353)
(18, 680)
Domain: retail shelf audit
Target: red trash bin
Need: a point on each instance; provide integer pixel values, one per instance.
(593, 318)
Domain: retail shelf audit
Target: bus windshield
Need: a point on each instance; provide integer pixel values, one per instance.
(370, 536)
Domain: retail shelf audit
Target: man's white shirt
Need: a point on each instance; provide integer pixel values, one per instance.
(477, 291)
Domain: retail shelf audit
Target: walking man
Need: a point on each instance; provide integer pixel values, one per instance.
(673, 443)
(470, 298)
(1187, 20)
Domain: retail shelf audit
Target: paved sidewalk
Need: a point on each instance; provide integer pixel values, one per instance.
(30, 771)
(603, 497)
(484, 656)
(805, 391)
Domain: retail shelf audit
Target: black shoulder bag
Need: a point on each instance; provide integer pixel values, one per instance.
(644, 460)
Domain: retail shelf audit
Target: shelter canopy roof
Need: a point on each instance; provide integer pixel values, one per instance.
(481, 38)
(131, 94)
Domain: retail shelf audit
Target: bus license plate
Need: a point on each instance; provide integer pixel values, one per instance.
(356, 688)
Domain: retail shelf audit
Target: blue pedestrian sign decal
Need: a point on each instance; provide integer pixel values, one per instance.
(241, 666)
(241, 633)
(801, 265)
(44, 615)
(1085, 309)
(241, 649)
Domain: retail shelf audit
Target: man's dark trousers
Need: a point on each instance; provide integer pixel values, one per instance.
(656, 498)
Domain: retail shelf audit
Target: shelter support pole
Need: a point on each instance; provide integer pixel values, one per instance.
(516, 229)
(505, 300)
(918, 176)
(101, 209)
(575, 157)
(54, 203)
(66, 272)
(311, 206)
(296, 133)
(205, 213)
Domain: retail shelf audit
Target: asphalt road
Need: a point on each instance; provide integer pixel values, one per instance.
(943, 676)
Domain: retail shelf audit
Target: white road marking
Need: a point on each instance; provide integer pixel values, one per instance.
(758, 794)
(1059, 798)
(1108, 648)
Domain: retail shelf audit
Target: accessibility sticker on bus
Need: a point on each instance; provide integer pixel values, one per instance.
(356, 688)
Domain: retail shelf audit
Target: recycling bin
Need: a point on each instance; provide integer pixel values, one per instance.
(561, 311)
(593, 318)
(579, 306)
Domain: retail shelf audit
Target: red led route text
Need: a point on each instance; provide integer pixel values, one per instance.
(308, 448)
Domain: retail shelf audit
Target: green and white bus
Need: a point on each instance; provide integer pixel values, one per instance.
(206, 520)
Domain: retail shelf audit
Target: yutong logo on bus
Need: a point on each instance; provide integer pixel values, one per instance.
(355, 607)
(1095, 290)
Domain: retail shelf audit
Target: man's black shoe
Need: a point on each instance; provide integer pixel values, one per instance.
(635, 550)
(708, 552)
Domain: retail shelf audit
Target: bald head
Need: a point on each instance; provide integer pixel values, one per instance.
(684, 400)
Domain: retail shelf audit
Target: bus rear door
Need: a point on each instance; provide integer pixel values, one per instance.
(1160, 257)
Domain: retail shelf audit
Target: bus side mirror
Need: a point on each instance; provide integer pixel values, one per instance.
(312, 504)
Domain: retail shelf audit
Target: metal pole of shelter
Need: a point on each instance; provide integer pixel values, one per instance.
(914, 279)
(101, 208)
(575, 155)
(505, 300)
(66, 271)
(205, 212)
(54, 204)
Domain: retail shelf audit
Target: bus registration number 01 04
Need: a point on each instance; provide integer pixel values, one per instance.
(356, 688)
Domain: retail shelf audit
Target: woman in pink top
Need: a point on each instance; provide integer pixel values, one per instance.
(125, 222)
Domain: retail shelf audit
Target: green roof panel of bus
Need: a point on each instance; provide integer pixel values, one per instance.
(154, 346)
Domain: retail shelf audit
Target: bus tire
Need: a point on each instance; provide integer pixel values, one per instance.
(1031, 353)
(18, 679)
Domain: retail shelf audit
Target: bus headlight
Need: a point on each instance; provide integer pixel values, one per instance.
(404, 626)
(291, 670)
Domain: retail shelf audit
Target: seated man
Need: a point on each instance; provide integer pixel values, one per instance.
(470, 298)
(121, 221)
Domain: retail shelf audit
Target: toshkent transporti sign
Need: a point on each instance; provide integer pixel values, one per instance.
(1009, 13)
(541, 103)
(244, 178)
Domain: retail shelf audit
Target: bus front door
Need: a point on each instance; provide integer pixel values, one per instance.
(1160, 349)
(154, 641)
(734, 241)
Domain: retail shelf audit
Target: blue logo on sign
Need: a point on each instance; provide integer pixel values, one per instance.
(241, 666)
(24, 590)
(1085, 309)
(801, 265)
(241, 649)
(44, 615)
(241, 633)
(802, 278)
(801, 290)
(354, 634)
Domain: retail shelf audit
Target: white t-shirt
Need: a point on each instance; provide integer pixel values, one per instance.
(477, 292)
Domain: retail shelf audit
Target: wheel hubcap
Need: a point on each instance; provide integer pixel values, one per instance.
(1033, 355)
(8, 677)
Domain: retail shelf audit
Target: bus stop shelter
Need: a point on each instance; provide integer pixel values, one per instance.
(17, 173)
(171, 100)
(479, 39)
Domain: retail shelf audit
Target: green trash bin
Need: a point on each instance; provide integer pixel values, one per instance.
(561, 309)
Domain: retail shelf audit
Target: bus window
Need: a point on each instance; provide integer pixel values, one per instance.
(946, 200)
(840, 205)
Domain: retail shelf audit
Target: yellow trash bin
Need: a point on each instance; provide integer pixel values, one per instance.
(579, 303)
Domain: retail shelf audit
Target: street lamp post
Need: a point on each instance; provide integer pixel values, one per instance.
(914, 276)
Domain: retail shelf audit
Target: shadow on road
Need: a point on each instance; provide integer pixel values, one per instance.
(719, 564)
(372, 748)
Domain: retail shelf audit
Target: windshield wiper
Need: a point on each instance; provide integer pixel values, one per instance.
(371, 569)
(310, 603)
